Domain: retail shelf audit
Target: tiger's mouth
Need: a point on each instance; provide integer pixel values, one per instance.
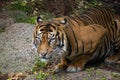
(44, 59)
(52, 55)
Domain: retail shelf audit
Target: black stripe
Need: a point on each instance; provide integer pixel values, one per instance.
(62, 40)
(102, 51)
(94, 29)
(59, 41)
(51, 25)
(92, 14)
(69, 46)
(116, 25)
(112, 32)
(74, 18)
(75, 39)
(82, 47)
(99, 56)
(69, 20)
(106, 19)
(115, 30)
(91, 44)
(107, 45)
(88, 19)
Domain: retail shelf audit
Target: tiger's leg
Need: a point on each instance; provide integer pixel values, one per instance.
(62, 65)
(78, 63)
(113, 59)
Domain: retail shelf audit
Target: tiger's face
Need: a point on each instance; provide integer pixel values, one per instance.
(48, 38)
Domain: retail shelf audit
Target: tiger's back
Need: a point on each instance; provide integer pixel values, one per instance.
(103, 17)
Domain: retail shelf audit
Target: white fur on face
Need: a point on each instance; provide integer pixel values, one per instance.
(44, 60)
(65, 46)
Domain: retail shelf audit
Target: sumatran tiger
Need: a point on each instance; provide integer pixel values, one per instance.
(92, 36)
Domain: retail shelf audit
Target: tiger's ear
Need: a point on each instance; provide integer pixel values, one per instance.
(64, 21)
(39, 19)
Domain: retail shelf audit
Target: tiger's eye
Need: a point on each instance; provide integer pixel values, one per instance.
(50, 30)
(41, 29)
(52, 35)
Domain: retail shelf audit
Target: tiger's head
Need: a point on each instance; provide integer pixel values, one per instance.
(49, 38)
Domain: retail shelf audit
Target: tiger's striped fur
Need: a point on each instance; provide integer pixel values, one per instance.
(92, 36)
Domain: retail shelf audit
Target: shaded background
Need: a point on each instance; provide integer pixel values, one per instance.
(56, 7)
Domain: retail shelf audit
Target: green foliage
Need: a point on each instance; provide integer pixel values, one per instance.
(20, 11)
(77, 1)
(31, 20)
(41, 75)
(90, 71)
(103, 78)
(82, 5)
(36, 7)
(19, 5)
(20, 16)
(92, 3)
(116, 75)
(38, 65)
(46, 16)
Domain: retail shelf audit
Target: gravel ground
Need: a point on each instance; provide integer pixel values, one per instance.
(16, 55)
(88, 74)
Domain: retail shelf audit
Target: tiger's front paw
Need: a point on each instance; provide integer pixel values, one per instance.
(73, 68)
(57, 69)
(60, 67)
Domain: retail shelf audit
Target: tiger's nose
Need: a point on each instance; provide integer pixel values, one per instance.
(42, 55)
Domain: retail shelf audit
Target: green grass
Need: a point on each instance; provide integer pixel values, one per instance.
(116, 75)
(38, 66)
(103, 78)
(41, 75)
(21, 11)
(20, 16)
(46, 16)
(40, 70)
(90, 71)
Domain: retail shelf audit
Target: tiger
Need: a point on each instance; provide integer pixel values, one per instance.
(93, 35)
